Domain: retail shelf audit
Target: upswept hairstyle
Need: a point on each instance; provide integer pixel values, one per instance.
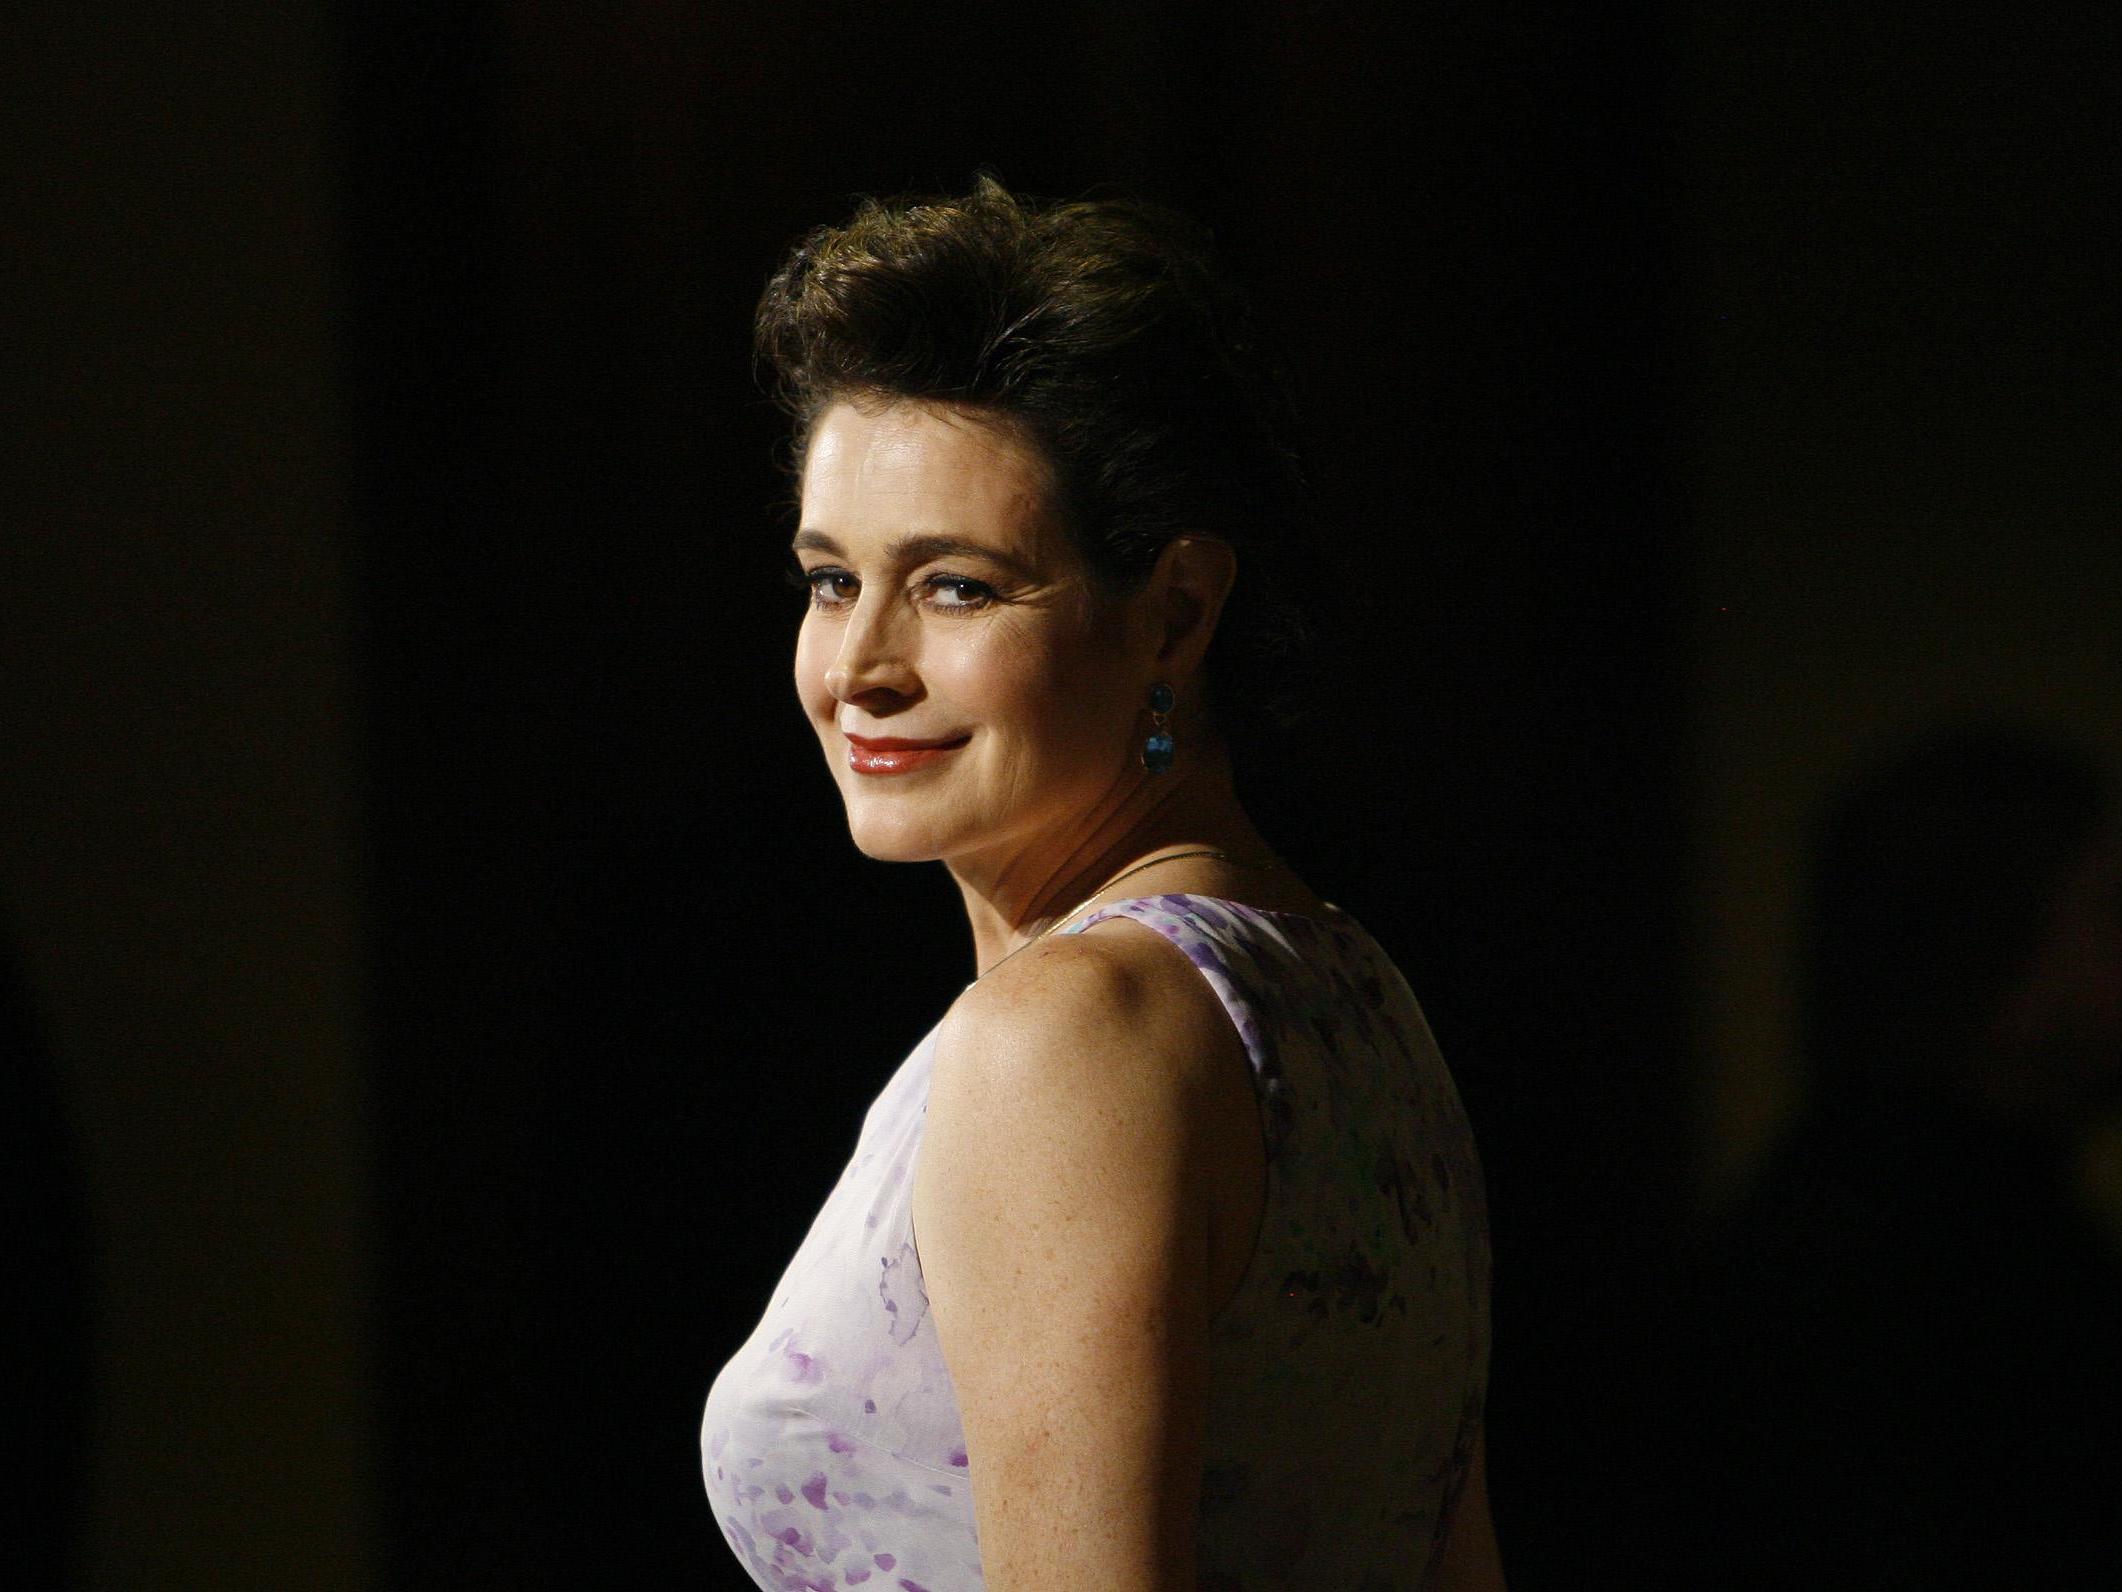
(1103, 331)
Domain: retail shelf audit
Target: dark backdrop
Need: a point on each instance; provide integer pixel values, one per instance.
(1617, 324)
(637, 986)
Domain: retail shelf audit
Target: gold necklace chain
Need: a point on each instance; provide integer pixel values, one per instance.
(1068, 917)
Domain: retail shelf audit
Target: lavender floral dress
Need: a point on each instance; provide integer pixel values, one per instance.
(1346, 1377)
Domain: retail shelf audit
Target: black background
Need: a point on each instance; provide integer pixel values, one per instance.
(638, 983)
(1549, 275)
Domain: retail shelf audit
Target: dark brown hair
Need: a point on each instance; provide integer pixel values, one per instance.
(1104, 331)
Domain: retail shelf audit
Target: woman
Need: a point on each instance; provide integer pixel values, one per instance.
(1162, 1259)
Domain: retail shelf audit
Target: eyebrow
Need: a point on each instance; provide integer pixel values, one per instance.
(916, 549)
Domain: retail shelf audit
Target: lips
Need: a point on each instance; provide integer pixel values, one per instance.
(895, 754)
(894, 743)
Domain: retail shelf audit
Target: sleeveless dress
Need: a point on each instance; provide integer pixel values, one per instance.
(1346, 1376)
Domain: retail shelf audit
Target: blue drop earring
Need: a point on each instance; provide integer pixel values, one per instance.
(1158, 750)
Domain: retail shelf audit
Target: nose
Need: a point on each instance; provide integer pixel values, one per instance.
(872, 657)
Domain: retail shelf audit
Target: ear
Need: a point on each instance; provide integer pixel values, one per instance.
(1193, 578)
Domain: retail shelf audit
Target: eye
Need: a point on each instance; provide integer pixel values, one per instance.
(814, 581)
(966, 595)
(818, 582)
(971, 593)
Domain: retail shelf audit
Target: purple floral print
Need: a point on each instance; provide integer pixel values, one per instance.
(1347, 1375)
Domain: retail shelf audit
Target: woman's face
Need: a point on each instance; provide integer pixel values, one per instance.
(947, 604)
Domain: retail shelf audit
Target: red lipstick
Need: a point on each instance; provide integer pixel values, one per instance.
(891, 754)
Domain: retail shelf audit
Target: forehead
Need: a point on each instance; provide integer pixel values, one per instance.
(928, 468)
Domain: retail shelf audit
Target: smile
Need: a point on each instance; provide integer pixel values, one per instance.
(898, 757)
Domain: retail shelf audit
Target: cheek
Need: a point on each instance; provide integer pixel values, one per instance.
(1005, 680)
(812, 659)
(1050, 721)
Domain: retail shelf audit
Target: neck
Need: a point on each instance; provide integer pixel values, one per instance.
(1010, 901)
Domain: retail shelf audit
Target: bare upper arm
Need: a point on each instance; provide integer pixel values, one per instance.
(1062, 1218)
(1469, 1560)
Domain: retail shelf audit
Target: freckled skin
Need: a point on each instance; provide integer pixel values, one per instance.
(883, 664)
(1016, 651)
(1035, 1416)
(1048, 799)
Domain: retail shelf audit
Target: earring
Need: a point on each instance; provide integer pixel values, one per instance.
(1157, 751)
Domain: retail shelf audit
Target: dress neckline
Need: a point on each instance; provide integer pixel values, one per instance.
(1333, 911)
(1195, 895)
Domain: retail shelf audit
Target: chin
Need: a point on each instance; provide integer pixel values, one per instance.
(892, 837)
(895, 853)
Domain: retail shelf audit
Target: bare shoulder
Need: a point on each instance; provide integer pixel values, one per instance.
(1115, 1000)
(1063, 1221)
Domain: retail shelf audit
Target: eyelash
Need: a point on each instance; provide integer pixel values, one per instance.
(811, 580)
